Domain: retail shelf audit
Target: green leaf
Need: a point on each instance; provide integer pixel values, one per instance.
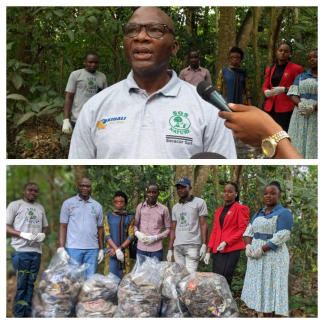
(21, 302)
(28, 71)
(92, 19)
(17, 97)
(59, 118)
(58, 13)
(46, 109)
(64, 140)
(17, 80)
(25, 117)
(70, 34)
(9, 45)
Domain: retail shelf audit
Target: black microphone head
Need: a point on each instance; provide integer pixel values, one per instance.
(207, 155)
(203, 87)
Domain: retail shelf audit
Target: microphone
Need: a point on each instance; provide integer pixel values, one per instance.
(210, 94)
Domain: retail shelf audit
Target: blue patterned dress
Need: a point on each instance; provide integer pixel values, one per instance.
(303, 130)
(266, 280)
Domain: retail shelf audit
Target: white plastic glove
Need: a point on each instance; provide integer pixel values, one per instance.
(100, 256)
(64, 252)
(40, 237)
(151, 239)
(278, 90)
(268, 93)
(27, 235)
(203, 250)
(169, 255)
(119, 255)
(66, 127)
(257, 253)
(222, 246)
(249, 250)
(207, 258)
(305, 110)
(142, 237)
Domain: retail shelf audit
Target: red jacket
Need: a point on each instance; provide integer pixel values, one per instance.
(234, 226)
(282, 102)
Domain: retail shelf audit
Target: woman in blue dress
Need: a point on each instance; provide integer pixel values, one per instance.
(119, 233)
(266, 281)
(303, 127)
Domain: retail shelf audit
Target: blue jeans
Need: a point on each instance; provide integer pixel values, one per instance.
(82, 256)
(73, 124)
(113, 261)
(25, 261)
(158, 254)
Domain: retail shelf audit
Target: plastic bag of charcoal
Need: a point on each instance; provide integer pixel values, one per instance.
(139, 293)
(171, 306)
(60, 284)
(207, 295)
(98, 296)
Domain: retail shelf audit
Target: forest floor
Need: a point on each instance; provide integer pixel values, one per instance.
(305, 292)
(41, 140)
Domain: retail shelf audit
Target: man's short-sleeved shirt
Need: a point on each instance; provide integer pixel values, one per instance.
(187, 215)
(83, 218)
(26, 217)
(195, 76)
(84, 85)
(173, 123)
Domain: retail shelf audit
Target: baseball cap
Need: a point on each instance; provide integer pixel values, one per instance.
(183, 181)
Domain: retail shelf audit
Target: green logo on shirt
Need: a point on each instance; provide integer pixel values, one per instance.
(180, 123)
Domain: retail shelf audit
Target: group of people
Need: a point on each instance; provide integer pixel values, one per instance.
(161, 115)
(89, 237)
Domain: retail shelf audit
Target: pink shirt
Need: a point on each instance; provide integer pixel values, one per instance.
(194, 77)
(151, 222)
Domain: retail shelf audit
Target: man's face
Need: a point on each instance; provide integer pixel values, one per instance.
(84, 188)
(194, 60)
(91, 63)
(146, 54)
(152, 194)
(30, 193)
(183, 191)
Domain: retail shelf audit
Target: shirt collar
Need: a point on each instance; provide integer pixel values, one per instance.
(274, 210)
(146, 204)
(189, 68)
(190, 200)
(171, 89)
(80, 199)
(309, 72)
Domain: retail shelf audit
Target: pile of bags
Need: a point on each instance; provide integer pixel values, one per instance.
(207, 295)
(98, 296)
(59, 287)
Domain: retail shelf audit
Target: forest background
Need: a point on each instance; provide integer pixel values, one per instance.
(45, 44)
(300, 193)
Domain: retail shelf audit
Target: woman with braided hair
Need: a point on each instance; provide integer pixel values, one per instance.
(266, 280)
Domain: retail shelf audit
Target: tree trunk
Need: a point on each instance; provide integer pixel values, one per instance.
(227, 36)
(201, 175)
(215, 181)
(258, 198)
(80, 171)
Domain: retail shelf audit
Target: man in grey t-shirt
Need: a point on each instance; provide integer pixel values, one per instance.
(27, 226)
(82, 85)
(81, 228)
(189, 232)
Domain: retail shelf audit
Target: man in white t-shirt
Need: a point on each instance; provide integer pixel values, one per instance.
(27, 226)
(82, 85)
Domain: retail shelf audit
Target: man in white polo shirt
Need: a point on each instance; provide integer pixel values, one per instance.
(152, 112)
(189, 232)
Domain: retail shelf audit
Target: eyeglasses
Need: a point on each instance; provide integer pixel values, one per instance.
(85, 186)
(153, 30)
(116, 202)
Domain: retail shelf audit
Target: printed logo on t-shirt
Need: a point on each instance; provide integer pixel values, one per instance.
(180, 123)
(32, 220)
(91, 87)
(93, 209)
(183, 224)
(102, 124)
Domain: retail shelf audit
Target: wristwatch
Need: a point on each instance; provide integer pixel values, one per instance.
(269, 144)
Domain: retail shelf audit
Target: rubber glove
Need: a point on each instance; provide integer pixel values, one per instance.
(100, 255)
(207, 258)
(27, 235)
(258, 253)
(40, 237)
(64, 253)
(151, 239)
(249, 250)
(278, 90)
(305, 110)
(222, 246)
(203, 250)
(141, 236)
(66, 127)
(119, 255)
(169, 255)
(268, 93)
